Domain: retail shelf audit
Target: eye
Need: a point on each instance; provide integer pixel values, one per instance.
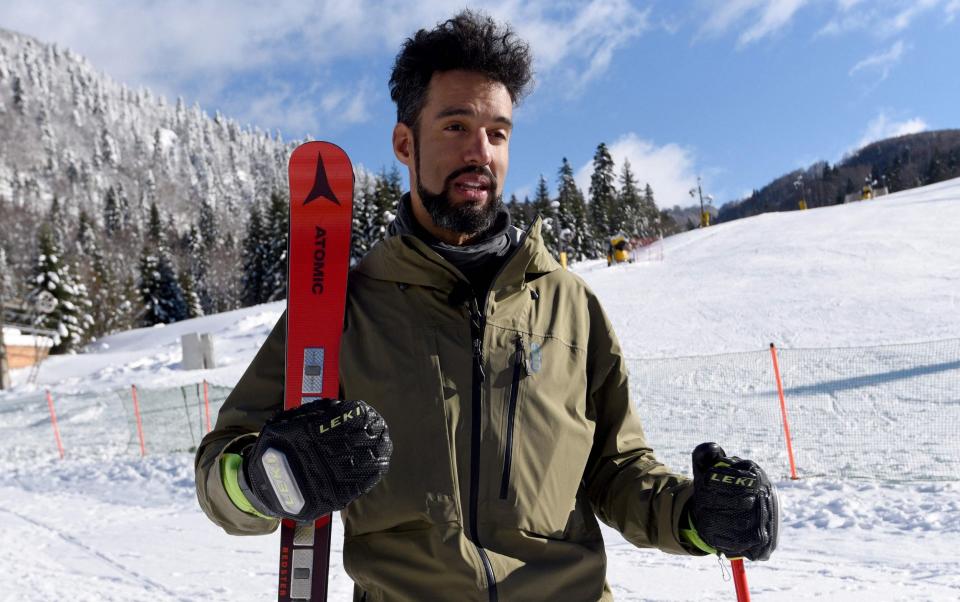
(502, 135)
(455, 127)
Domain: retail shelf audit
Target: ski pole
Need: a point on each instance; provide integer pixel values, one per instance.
(740, 580)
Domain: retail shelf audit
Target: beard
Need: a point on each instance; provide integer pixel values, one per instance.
(464, 218)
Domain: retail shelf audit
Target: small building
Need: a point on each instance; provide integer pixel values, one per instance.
(25, 349)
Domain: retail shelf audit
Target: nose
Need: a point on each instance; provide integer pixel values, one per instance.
(479, 151)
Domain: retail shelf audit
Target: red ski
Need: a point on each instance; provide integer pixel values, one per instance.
(318, 257)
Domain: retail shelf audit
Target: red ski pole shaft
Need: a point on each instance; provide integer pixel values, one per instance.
(740, 580)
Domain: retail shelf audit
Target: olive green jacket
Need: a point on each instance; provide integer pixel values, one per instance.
(512, 433)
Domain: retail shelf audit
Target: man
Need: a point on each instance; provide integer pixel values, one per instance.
(498, 374)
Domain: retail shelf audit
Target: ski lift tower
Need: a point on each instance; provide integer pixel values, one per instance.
(698, 192)
(798, 184)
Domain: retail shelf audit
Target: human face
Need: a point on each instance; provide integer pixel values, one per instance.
(458, 154)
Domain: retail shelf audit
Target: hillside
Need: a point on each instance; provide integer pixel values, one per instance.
(880, 271)
(898, 163)
(71, 131)
(90, 156)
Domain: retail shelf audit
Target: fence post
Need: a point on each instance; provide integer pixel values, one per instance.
(783, 412)
(53, 420)
(206, 404)
(136, 412)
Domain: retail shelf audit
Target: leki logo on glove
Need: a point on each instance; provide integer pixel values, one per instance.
(731, 480)
(281, 479)
(340, 420)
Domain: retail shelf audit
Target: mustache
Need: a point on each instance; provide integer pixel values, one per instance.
(480, 170)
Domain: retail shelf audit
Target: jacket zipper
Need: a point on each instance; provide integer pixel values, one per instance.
(519, 365)
(476, 332)
(477, 323)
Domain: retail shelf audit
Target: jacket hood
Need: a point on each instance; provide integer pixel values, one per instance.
(404, 258)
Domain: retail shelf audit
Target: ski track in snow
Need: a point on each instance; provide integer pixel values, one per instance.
(106, 525)
(145, 584)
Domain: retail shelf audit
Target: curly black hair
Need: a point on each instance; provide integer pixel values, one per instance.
(470, 41)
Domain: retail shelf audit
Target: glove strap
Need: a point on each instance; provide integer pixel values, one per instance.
(693, 538)
(231, 471)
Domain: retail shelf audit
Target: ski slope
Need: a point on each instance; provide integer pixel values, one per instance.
(121, 528)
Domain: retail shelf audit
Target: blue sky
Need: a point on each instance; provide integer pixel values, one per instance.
(736, 91)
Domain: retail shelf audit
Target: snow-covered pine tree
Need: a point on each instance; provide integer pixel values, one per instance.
(651, 215)
(71, 318)
(631, 204)
(255, 259)
(19, 102)
(112, 218)
(276, 233)
(207, 224)
(387, 193)
(110, 156)
(194, 308)
(572, 213)
(58, 226)
(602, 198)
(160, 292)
(129, 222)
(86, 239)
(364, 207)
(6, 276)
(198, 264)
(155, 234)
(113, 310)
(545, 207)
(518, 213)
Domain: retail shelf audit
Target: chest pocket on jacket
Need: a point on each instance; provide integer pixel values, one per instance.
(546, 435)
(397, 370)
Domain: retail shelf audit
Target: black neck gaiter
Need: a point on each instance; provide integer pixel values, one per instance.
(479, 261)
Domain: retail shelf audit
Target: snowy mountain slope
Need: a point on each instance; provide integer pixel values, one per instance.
(885, 270)
(71, 131)
(121, 528)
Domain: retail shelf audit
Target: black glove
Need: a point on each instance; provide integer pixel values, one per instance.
(734, 507)
(315, 459)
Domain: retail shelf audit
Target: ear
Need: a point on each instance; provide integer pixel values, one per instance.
(403, 143)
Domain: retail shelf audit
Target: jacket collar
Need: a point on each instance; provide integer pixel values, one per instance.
(404, 258)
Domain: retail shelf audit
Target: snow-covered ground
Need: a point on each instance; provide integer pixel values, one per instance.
(112, 526)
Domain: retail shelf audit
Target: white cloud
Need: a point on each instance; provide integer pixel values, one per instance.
(212, 51)
(952, 9)
(721, 16)
(773, 17)
(880, 18)
(901, 20)
(669, 168)
(882, 127)
(846, 5)
(883, 62)
(577, 45)
(756, 18)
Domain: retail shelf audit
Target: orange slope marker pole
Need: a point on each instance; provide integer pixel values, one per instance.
(53, 420)
(136, 412)
(783, 412)
(206, 403)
